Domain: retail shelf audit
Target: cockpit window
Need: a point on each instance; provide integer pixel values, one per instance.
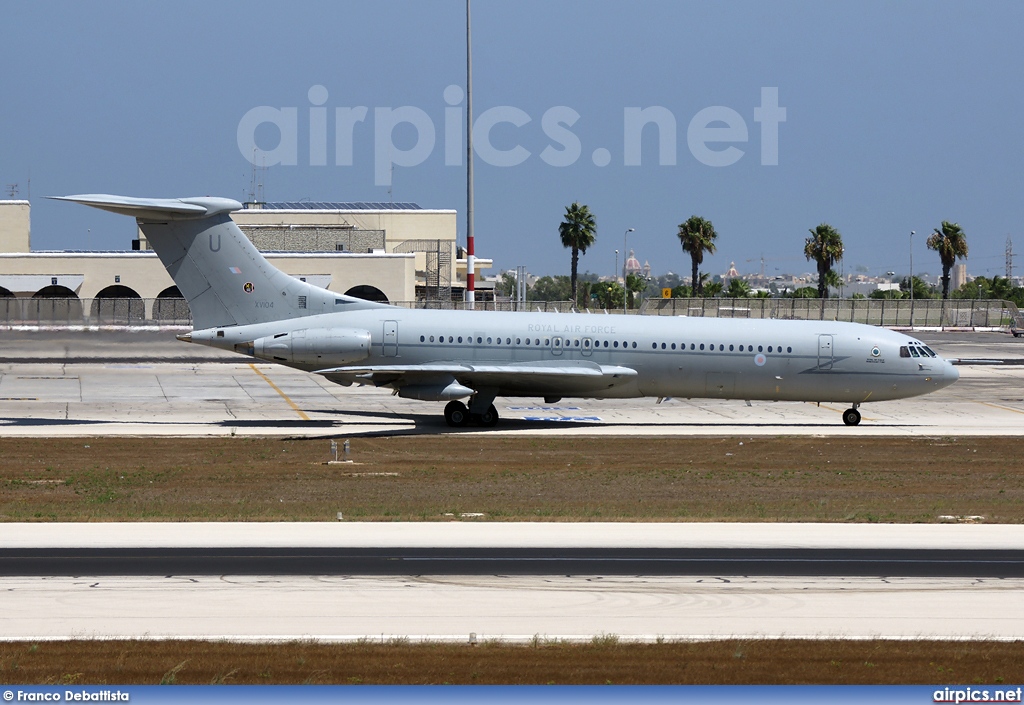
(930, 351)
(904, 351)
(914, 352)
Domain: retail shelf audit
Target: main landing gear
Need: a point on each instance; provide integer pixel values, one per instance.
(457, 415)
(851, 417)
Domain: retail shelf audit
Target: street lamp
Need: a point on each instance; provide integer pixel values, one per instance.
(912, 279)
(625, 237)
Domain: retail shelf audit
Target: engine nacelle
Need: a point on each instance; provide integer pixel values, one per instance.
(319, 347)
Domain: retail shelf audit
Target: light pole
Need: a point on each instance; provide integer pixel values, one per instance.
(912, 280)
(625, 299)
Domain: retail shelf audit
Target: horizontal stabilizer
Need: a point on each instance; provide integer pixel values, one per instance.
(157, 208)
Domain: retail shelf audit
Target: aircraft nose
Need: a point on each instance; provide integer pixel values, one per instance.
(950, 374)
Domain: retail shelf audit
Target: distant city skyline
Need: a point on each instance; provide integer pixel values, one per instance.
(765, 118)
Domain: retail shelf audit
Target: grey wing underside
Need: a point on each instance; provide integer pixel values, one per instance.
(518, 379)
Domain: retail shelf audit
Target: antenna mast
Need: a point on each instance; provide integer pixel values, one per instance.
(470, 249)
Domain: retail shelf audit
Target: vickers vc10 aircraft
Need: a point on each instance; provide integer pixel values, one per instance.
(240, 302)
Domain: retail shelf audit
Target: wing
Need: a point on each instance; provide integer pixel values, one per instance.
(525, 379)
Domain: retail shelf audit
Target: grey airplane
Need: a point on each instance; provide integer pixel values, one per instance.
(240, 302)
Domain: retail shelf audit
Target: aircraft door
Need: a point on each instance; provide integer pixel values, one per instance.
(390, 338)
(588, 347)
(824, 352)
(556, 345)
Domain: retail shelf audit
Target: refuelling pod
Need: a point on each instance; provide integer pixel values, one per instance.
(441, 390)
(320, 347)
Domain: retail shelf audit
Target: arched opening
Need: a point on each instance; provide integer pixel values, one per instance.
(55, 304)
(170, 307)
(10, 307)
(118, 304)
(368, 293)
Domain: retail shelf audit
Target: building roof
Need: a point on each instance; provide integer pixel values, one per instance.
(335, 206)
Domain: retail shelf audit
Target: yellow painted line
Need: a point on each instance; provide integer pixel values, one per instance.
(293, 405)
(998, 406)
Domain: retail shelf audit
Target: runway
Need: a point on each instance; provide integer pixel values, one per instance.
(488, 561)
(82, 384)
(512, 581)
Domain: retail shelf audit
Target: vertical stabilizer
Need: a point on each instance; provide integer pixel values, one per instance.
(218, 270)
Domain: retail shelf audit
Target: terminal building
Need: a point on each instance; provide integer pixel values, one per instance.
(395, 253)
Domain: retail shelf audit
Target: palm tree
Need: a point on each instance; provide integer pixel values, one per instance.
(951, 243)
(578, 231)
(738, 289)
(713, 289)
(825, 247)
(697, 236)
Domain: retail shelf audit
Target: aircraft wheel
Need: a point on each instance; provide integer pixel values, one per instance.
(456, 414)
(851, 417)
(489, 418)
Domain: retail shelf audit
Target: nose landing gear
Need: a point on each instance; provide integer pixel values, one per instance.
(851, 417)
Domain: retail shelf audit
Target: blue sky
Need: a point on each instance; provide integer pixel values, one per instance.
(898, 116)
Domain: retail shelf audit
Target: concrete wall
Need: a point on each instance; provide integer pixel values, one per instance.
(15, 226)
(89, 273)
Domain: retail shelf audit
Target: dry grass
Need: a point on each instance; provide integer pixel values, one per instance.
(601, 662)
(589, 479)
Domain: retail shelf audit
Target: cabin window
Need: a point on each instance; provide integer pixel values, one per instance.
(702, 346)
(769, 348)
(431, 339)
(634, 344)
(904, 351)
(789, 350)
(692, 346)
(654, 346)
(731, 348)
(423, 339)
(673, 346)
(451, 339)
(760, 348)
(663, 346)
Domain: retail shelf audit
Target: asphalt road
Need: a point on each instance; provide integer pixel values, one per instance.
(510, 561)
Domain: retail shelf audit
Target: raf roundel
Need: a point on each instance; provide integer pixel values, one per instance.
(760, 359)
(248, 288)
(875, 352)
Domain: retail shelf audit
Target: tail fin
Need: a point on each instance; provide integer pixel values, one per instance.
(221, 274)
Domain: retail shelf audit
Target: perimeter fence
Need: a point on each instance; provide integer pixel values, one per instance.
(924, 313)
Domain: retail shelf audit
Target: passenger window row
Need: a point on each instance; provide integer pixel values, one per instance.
(710, 347)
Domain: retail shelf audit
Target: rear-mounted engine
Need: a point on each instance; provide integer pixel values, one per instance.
(320, 347)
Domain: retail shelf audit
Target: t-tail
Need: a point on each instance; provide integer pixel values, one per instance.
(224, 278)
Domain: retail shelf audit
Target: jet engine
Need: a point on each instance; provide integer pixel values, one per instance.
(318, 347)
